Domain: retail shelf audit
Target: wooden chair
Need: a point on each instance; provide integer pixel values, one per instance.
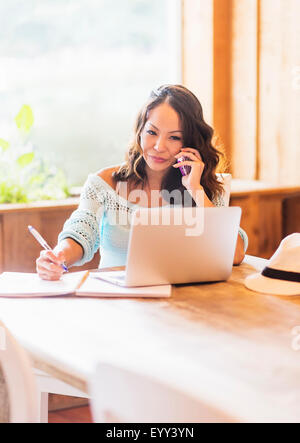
(122, 396)
(50, 385)
(18, 391)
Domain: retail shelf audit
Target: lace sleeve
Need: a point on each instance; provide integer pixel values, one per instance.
(219, 202)
(83, 224)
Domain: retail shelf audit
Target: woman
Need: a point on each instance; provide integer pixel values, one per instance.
(169, 126)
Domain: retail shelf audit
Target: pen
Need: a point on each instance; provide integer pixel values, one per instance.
(43, 243)
(83, 279)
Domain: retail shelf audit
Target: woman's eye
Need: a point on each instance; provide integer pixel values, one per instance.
(151, 132)
(175, 137)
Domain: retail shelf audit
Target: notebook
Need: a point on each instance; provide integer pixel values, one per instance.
(19, 284)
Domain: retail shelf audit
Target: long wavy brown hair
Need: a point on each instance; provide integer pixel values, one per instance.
(196, 134)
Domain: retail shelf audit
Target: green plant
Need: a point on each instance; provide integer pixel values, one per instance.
(24, 175)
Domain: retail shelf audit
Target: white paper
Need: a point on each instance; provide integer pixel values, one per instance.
(21, 284)
(97, 287)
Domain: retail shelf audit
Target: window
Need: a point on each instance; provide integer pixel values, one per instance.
(85, 67)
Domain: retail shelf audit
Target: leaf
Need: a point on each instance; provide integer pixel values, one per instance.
(25, 119)
(25, 159)
(12, 193)
(36, 179)
(4, 144)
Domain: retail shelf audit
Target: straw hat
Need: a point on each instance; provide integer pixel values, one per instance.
(281, 276)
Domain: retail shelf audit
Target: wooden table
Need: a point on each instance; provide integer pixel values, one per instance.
(227, 345)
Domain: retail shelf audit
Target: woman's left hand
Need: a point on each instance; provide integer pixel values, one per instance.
(192, 180)
(239, 254)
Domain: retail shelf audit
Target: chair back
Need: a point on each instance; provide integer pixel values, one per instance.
(17, 381)
(225, 179)
(122, 396)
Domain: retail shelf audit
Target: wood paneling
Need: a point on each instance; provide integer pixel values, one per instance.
(18, 249)
(270, 89)
(250, 216)
(291, 215)
(222, 73)
(197, 69)
(251, 83)
(268, 215)
(279, 113)
(244, 88)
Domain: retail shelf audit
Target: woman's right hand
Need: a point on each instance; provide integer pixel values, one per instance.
(48, 265)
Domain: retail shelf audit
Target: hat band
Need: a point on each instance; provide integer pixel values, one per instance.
(281, 275)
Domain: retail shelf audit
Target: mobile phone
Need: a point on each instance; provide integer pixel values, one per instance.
(185, 169)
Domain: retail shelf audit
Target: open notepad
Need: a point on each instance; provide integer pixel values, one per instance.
(19, 284)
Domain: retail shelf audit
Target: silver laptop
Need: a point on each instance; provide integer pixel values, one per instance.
(166, 248)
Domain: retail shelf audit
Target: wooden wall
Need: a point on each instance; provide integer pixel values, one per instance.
(279, 113)
(242, 59)
(197, 51)
(244, 98)
(18, 249)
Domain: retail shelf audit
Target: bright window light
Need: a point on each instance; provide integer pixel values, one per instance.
(85, 67)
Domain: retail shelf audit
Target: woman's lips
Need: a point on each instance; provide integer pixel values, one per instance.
(158, 159)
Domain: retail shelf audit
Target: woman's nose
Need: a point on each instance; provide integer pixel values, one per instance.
(159, 145)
